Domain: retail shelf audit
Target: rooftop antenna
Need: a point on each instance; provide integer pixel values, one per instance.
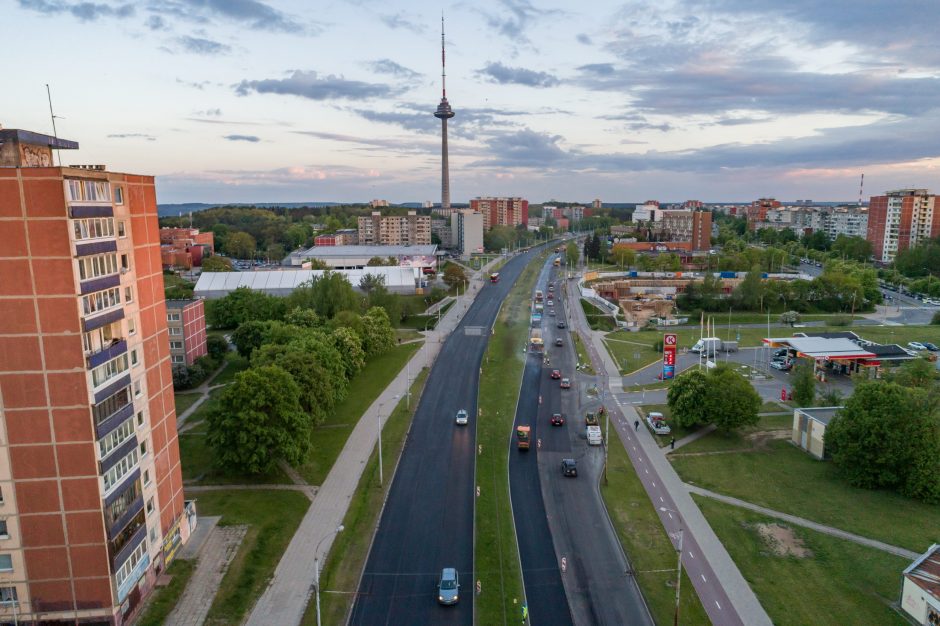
(860, 187)
(54, 133)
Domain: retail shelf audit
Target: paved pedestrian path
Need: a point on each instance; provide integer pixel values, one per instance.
(799, 521)
(725, 594)
(297, 479)
(309, 490)
(217, 554)
(285, 598)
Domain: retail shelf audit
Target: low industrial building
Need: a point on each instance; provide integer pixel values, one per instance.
(920, 588)
(344, 237)
(186, 326)
(809, 428)
(213, 285)
(358, 257)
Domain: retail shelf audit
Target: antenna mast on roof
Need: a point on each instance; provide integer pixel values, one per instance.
(860, 187)
(54, 133)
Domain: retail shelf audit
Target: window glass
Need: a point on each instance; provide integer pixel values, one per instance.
(6, 563)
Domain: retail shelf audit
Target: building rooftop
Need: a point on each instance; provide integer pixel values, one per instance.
(282, 281)
(367, 251)
(823, 347)
(18, 135)
(925, 571)
(180, 304)
(821, 414)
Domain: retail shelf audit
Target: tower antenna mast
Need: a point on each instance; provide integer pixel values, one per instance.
(443, 61)
(861, 186)
(54, 133)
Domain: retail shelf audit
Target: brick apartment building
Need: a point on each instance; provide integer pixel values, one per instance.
(345, 237)
(395, 230)
(92, 498)
(185, 247)
(501, 211)
(757, 211)
(901, 219)
(186, 326)
(692, 226)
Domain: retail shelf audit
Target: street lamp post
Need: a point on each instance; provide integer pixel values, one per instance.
(675, 619)
(316, 566)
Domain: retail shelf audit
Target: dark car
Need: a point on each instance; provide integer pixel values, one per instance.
(931, 346)
(556, 374)
(558, 419)
(560, 324)
(559, 342)
(569, 467)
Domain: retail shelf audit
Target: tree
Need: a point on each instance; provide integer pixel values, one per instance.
(275, 252)
(749, 294)
(305, 318)
(622, 255)
(454, 275)
(257, 421)
(216, 264)
(381, 297)
(789, 317)
(731, 401)
(804, 385)
(326, 294)
(349, 346)
(249, 336)
(686, 398)
(378, 336)
(368, 282)
(242, 305)
(375, 261)
(887, 437)
(314, 383)
(216, 347)
(853, 248)
(240, 245)
(572, 254)
(917, 373)
(595, 247)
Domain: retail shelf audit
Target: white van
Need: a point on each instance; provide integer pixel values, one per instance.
(594, 437)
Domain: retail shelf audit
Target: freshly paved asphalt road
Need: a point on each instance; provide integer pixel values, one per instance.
(427, 523)
(600, 586)
(544, 591)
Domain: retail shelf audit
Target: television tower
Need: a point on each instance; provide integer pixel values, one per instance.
(444, 113)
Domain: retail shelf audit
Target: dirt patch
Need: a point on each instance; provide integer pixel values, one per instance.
(783, 541)
(762, 438)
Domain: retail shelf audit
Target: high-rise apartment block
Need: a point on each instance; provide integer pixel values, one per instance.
(186, 326)
(395, 230)
(691, 226)
(501, 211)
(466, 229)
(901, 219)
(757, 211)
(91, 496)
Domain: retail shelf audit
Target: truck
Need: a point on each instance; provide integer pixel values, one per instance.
(494, 277)
(538, 295)
(536, 343)
(592, 418)
(522, 437)
(536, 319)
(712, 345)
(594, 436)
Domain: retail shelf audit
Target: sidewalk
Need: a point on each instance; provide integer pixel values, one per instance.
(286, 596)
(727, 582)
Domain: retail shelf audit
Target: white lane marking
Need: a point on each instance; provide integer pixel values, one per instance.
(703, 578)
(718, 605)
(691, 556)
(661, 500)
(654, 483)
(670, 515)
(647, 471)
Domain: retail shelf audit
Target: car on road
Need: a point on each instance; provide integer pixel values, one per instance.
(930, 346)
(565, 383)
(931, 301)
(569, 467)
(462, 417)
(558, 419)
(551, 312)
(448, 588)
(916, 345)
(783, 366)
(559, 342)
(560, 324)
(658, 423)
(556, 374)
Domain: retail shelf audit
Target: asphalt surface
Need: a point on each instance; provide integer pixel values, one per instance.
(596, 573)
(545, 593)
(427, 523)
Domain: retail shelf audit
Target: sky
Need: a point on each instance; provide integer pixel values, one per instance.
(290, 101)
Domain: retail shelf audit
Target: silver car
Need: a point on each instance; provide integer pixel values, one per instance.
(448, 589)
(462, 416)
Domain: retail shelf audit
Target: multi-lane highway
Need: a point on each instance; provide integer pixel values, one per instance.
(427, 523)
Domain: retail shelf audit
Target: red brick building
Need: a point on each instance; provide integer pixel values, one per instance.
(901, 219)
(345, 237)
(185, 247)
(757, 211)
(501, 211)
(186, 326)
(92, 496)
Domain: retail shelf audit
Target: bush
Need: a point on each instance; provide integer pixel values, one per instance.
(936, 318)
(216, 346)
(187, 377)
(840, 320)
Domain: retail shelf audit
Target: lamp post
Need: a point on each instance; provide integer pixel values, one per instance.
(316, 566)
(675, 619)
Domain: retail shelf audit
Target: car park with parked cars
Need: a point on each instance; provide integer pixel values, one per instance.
(916, 345)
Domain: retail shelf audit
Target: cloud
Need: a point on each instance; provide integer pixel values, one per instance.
(200, 85)
(199, 45)
(132, 136)
(310, 85)
(84, 11)
(468, 124)
(525, 148)
(599, 69)
(514, 20)
(582, 38)
(387, 66)
(248, 138)
(155, 22)
(209, 113)
(504, 75)
(250, 13)
(399, 20)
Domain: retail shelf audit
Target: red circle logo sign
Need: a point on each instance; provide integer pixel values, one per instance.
(670, 340)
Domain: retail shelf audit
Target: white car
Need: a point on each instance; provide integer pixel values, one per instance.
(916, 345)
(462, 416)
(658, 423)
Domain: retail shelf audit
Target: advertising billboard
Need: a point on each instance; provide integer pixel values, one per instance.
(670, 341)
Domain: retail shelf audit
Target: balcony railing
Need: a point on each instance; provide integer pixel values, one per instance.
(106, 353)
(99, 284)
(95, 247)
(79, 210)
(103, 319)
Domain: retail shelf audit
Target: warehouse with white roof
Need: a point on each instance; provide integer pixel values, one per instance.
(356, 257)
(213, 285)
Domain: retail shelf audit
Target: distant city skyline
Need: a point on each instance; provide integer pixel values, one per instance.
(268, 102)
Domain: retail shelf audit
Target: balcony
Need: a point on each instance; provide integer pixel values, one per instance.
(106, 353)
(99, 284)
(112, 388)
(115, 456)
(128, 548)
(96, 247)
(102, 319)
(77, 211)
(108, 424)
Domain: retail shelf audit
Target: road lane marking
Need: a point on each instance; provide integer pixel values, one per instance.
(691, 556)
(670, 515)
(661, 500)
(718, 605)
(647, 471)
(703, 578)
(654, 483)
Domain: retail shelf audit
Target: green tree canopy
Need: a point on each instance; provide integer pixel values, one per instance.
(326, 294)
(378, 336)
(686, 398)
(731, 401)
(240, 245)
(242, 305)
(804, 385)
(216, 264)
(454, 275)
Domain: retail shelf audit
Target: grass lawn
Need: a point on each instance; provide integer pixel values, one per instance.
(407, 334)
(164, 599)
(197, 460)
(597, 319)
(350, 549)
(421, 322)
(634, 355)
(234, 364)
(185, 400)
(745, 439)
(330, 436)
(646, 543)
(272, 518)
(495, 554)
(773, 407)
(784, 478)
(742, 317)
(839, 583)
(583, 357)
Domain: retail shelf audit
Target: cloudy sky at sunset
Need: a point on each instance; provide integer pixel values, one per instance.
(275, 100)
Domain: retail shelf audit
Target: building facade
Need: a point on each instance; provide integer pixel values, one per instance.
(92, 495)
(395, 230)
(185, 247)
(501, 211)
(467, 231)
(757, 211)
(186, 327)
(441, 228)
(344, 237)
(691, 226)
(901, 219)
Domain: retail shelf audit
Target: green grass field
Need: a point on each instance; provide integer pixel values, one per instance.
(164, 599)
(782, 477)
(583, 357)
(496, 556)
(341, 571)
(233, 365)
(837, 583)
(631, 355)
(597, 319)
(330, 436)
(272, 518)
(677, 431)
(184, 400)
(646, 543)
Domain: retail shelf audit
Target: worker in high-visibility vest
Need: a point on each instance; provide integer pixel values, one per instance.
(525, 613)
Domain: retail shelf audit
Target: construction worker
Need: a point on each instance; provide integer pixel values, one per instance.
(525, 613)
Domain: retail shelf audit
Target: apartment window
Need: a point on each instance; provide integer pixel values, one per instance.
(123, 503)
(124, 263)
(143, 449)
(1, 495)
(173, 317)
(146, 477)
(153, 535)
(176, 345)
(113, 368)
(119, 195)
(93, 228)
(140, 418)
(129, 565)
(101, 301)
(4, 533)
(115, 438)
(131, 326)
(8, 595)
(177, 359)
(175, 330)
(98, 265)
(121, 230)
(128, 294)
(6, 563)
(121, 469)
(88, 190)
(137, 390)
(150, 506)
(111, 405)
(134, 360)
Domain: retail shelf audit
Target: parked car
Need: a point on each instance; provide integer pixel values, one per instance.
(559, 342)
(448, 589)
(565, 383)
(569, 467)
(916, 345)
(658, 423)
(556, 374)
(462, 417)
(558, 419)
(783, 366)
(930, 346)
